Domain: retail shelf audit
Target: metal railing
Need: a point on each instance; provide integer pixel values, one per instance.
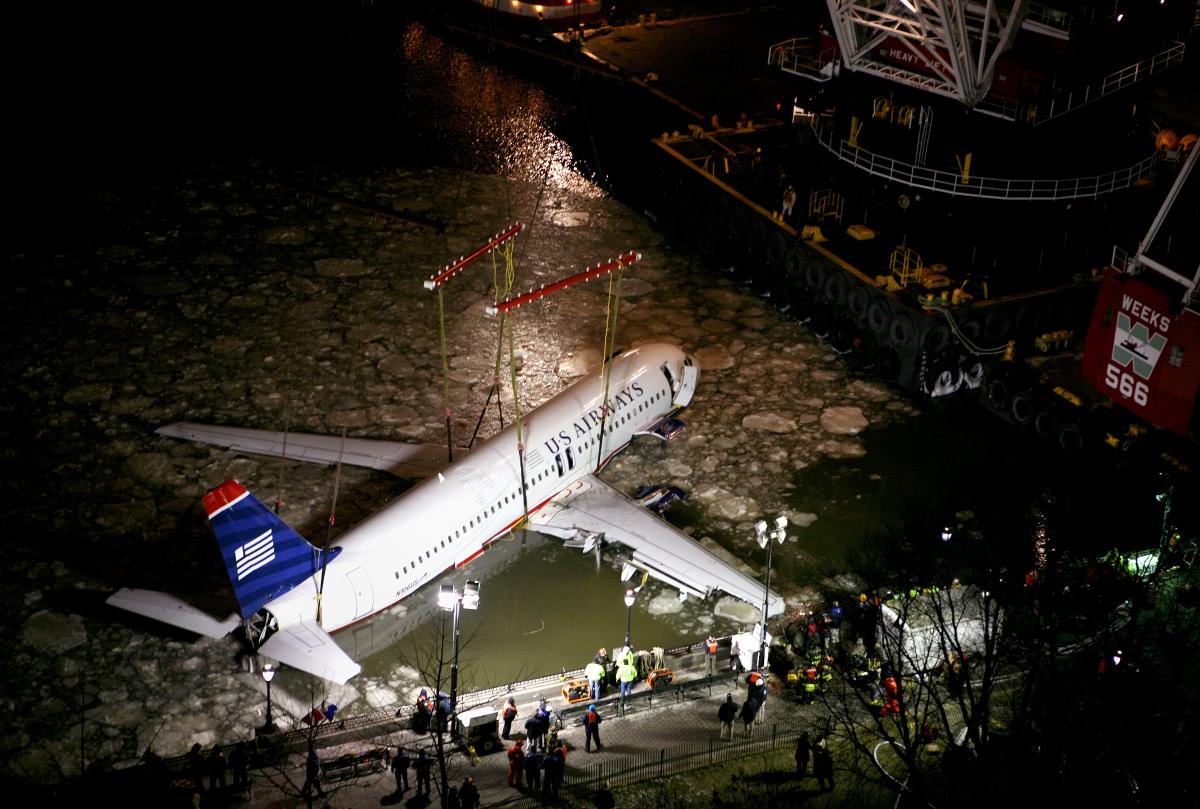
(999, 188)
(684, 758)
(793, 56)
(1064, 102)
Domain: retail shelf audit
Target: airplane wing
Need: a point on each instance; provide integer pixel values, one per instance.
(308, 647)
(172, 610)
(591, 509)
(412, 461)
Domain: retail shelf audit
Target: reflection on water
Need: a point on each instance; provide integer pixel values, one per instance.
(474, 115)
(548, 608)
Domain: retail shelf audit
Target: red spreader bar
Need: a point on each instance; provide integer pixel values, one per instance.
(586, 275)
(500, 238)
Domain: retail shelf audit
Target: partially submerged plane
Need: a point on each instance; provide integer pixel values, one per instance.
(292, 595)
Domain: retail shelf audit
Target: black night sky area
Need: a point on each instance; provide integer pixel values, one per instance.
(102, 85)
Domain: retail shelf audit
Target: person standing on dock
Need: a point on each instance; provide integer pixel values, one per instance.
(516, 764)
(509, 713)
(400, 770)
(710, 656)
(594, 672)
(789, 202)
(803, 751)
(422, 766)
(727, 713)
(591, 729)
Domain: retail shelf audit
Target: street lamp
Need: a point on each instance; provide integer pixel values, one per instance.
(452, 600)
(630, 597)
(764, 537)
(268, 674)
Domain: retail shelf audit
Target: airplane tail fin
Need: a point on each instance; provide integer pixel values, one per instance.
(263, 555)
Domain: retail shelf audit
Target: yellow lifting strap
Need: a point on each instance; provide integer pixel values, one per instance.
(610, 339)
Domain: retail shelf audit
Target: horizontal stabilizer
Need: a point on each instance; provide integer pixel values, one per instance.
(411, 461)
(171, 610)
(308, 647)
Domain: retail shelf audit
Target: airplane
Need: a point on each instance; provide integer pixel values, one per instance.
(291, 595)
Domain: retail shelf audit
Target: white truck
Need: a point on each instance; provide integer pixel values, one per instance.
(920, 631)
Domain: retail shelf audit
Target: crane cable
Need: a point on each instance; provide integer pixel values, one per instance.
(506, 327)
(500, 293)
(337, 481)
(610, 339)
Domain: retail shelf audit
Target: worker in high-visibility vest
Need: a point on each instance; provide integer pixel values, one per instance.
(595, 677)
(810, 683)
(626, 676)
(710, 655)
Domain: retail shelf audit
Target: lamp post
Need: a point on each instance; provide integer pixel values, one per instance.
(268, 674)
(630, 597)
(452, 600)
(764, 537)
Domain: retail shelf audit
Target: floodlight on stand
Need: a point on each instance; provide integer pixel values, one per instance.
(630, 597)
(470, 595)
(268, 672)
(447, 598)
(947, 534)
(760, 533)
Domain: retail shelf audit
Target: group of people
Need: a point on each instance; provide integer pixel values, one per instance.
(429, 709)
(421, 765)
(822, 760)
(751, 711)
(214, 767)
(622, 671)
(542, 772)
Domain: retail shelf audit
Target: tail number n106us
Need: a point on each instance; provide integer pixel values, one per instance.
(1126, 385)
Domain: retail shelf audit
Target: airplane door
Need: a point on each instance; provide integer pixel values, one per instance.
(683, 396)
(364, 598)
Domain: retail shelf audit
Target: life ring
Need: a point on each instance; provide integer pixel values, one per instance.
(997, 394)
(857, 301)
(878, 317)
(835, 288)
(997, 326)
(902, 331)
(1021, 408)
(1045, 424)
(936, 339)
(814, 272)
(1070, 439)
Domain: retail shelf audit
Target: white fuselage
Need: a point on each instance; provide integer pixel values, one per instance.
(448, 519)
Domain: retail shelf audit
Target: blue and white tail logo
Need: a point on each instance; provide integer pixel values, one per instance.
(263, 555)
(254, 554)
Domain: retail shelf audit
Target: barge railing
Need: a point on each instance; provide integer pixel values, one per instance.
(999, 188)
